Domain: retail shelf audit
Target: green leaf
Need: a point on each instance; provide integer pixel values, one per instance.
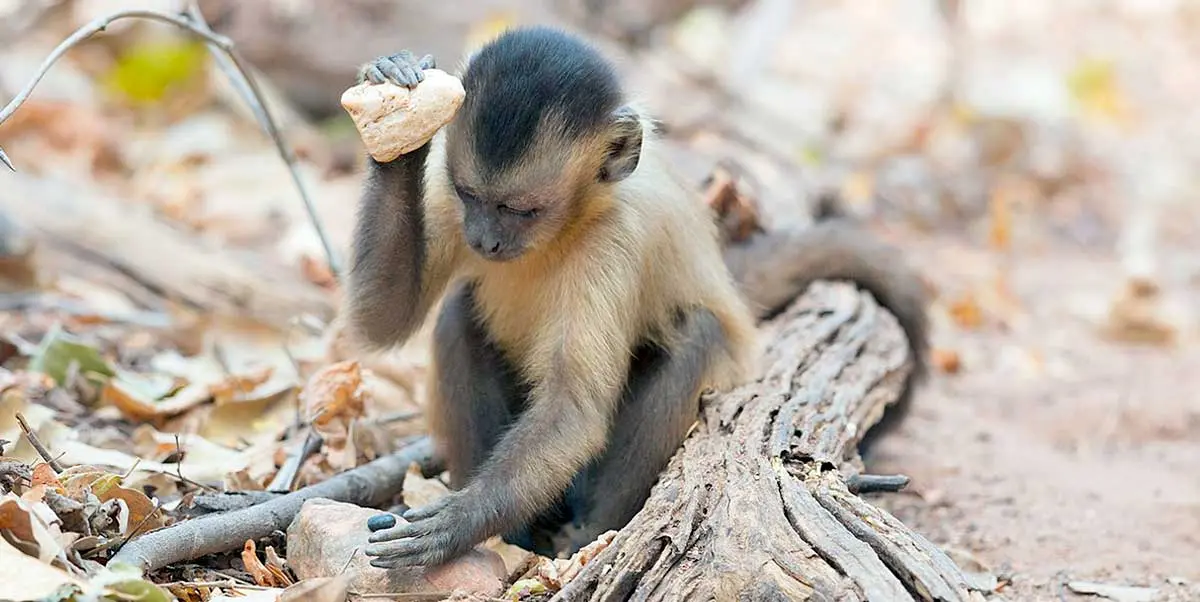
(149, 70)
(59, 349)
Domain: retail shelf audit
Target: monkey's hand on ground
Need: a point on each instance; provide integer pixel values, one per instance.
(400, 102)
(437, 533)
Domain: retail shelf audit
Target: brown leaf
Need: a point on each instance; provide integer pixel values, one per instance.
(140, 507)
(966, 312)
(334, 395)
(239, 387)
(946, 360)
(263, 575)
(43, 474)
(135, 406)
(317, 272)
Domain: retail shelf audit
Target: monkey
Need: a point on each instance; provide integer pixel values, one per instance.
(585, 300)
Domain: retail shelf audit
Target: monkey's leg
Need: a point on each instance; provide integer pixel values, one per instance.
(476, 391)
(660, 405)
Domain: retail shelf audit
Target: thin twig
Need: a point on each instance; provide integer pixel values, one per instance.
(353, 553)
(404, 597)
(228, 67)
(37, 445)
(285, 479)
(132, 468)
(231, 583)
(243, 81)
(179, 469)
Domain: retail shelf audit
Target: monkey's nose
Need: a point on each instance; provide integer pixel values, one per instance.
(494, 249)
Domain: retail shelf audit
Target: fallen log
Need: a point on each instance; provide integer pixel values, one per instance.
(755, 504)
(371, 485)
(128, 243)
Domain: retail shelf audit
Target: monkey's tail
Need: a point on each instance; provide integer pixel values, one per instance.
(774, 268)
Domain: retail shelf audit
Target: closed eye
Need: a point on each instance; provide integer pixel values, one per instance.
(517, 212)
(464, 195)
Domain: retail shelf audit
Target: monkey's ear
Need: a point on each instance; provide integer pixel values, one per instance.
(624, 145)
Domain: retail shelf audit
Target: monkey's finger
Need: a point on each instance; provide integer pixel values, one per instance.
(403, 531)
(412, 74)
(426, 511)
(393, 70)
(428, 62)
(404, 57)
(394, 551)
(373, 74)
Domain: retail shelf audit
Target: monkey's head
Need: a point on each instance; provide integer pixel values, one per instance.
(535, 141)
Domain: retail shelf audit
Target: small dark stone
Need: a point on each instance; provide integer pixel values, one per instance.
(381, 521)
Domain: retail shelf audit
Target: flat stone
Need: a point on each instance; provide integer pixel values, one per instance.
(326, 533)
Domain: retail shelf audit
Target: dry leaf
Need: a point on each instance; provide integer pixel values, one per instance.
(142, 511)
(135, 406)
(946, 360)
(255, 420)
(240, 387)
(24, 527)
(556, 573)
(1139, 314)
(419, 491)
(241, 480)
(23, 577)
(43, 474)
(966, 312)
(334, 395)
(263, 575)
(317, 272)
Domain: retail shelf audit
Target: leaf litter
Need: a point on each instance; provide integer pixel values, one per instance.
(147, 410)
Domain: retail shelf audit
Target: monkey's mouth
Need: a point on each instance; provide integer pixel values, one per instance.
(499, 255)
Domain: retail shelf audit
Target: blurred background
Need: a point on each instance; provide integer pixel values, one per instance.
(1038, 160)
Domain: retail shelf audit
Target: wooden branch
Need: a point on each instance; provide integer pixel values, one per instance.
(371, 484)
(129, 241)
(755, 504)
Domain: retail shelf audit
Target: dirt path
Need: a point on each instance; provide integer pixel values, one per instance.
(1054, 455)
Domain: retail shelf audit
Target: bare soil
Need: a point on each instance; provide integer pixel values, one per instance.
(1055, 455)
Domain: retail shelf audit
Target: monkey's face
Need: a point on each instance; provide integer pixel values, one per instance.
(511, 212)
(497, 227)
(521, 192)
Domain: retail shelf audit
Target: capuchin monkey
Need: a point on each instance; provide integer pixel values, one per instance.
(586, 301)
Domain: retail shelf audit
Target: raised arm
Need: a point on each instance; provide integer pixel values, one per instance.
(403, 254)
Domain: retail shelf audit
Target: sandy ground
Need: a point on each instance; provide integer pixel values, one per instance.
(1054, 455)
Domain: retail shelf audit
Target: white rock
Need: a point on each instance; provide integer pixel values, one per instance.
(393, 120)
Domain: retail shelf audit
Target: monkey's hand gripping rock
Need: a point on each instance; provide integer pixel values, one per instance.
(394, 115)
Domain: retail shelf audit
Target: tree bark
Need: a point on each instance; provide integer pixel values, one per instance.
(754, 506)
